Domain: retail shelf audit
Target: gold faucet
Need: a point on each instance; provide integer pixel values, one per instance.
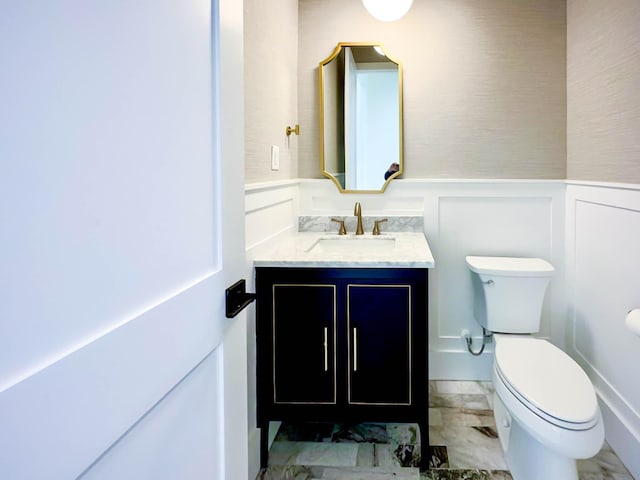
(357, 211)
(343, 229)
(376, 226)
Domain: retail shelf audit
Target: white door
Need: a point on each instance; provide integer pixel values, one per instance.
(121, 211)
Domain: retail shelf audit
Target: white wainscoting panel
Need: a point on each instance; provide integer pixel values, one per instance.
(603, 271)
(321, 197)
(495, 219)
(589, 232)
(271, 211)
(485, 226)
(464, 217)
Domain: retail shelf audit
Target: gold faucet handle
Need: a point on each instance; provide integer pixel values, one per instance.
(376, 226)
(343, 229)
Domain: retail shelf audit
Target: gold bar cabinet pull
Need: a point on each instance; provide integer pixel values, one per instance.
(355, 349)
(326, 350)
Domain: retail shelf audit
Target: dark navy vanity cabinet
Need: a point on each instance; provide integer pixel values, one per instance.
(344, 345)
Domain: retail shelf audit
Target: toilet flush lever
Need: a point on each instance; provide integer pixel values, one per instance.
(489, 282)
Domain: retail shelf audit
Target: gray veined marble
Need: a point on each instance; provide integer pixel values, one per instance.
(464, 446)
(389, 445)
(313, 249)
(393, 224)
(472, 474)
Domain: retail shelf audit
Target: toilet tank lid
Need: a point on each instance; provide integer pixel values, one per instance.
(510, 266)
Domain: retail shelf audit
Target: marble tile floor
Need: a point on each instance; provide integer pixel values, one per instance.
(462, 435)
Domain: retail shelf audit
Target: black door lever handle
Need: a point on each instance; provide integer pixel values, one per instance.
(237, 298)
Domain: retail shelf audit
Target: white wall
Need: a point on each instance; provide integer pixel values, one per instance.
(466, 217)
(270, 212)
(603, 225)
(461, 217)
(603, 261)
(589, 232)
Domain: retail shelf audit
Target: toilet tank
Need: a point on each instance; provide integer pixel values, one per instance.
(508, 292)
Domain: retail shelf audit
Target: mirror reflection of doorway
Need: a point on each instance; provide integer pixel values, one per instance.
(371, 127)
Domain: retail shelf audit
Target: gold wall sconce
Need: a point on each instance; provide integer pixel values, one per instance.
(295, 130)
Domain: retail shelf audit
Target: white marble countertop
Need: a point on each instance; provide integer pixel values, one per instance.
(321, 249)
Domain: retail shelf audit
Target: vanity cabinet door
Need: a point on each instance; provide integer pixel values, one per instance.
(303, 336)
(380, 344)
(341, 345)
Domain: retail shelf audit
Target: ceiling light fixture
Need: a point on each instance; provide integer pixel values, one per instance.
(387, 10)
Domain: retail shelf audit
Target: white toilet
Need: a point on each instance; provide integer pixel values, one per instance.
(545, 406)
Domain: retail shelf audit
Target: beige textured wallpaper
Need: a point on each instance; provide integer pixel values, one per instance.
(271, 89)
(603, 90)
(484, 83)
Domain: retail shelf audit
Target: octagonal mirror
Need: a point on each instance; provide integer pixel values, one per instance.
(360, 117)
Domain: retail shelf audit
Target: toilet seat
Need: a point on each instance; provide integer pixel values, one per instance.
(546, 381)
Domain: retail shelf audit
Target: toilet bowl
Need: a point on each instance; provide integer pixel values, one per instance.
(546, 410)
(545, 406)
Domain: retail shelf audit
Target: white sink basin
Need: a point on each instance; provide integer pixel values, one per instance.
(329, 250)
(353, 244)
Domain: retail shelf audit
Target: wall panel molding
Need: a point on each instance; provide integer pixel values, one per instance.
(453, 211)
(603, 261)
(553, 219)
(271, 211)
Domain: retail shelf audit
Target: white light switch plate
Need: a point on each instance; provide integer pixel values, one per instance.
(275, 157)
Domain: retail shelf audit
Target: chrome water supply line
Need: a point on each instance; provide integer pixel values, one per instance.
(486, 338)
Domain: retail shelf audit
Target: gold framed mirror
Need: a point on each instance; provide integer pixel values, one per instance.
(360, 118)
